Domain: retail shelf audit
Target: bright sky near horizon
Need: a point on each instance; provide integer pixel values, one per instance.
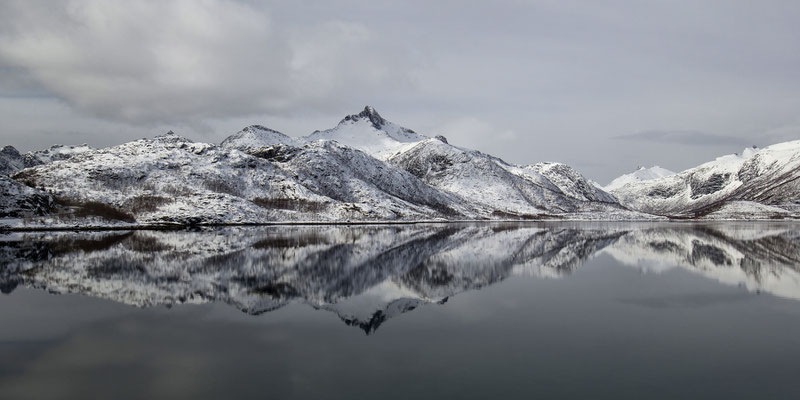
(602, 86)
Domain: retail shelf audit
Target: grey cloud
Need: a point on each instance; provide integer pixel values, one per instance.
(153, 61)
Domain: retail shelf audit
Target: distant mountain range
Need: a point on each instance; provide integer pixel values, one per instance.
(365, 169)
(754, 184)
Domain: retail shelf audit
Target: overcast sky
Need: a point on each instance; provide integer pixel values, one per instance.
(601, 85)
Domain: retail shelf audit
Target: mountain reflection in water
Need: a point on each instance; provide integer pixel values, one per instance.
(368, 274)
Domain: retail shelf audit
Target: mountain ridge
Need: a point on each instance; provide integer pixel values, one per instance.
(752, 178)
(365, 169)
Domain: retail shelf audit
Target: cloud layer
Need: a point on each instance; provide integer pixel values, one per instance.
(155, 61)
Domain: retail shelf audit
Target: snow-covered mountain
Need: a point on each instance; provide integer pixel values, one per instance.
(641, 174)
(366, 131)
(731, 185)
(364, 169)
(170, 179)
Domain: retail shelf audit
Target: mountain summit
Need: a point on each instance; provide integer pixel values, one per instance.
(368, 113)
(369, 132)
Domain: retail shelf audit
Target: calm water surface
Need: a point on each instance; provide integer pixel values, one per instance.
(403, 312)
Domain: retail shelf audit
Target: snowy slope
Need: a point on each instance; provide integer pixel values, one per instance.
(767, 176)
(566, 179)
(376, 189)
(501, 189)
(369, 132)
(641, 174)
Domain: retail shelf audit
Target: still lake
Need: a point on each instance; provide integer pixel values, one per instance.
(491, 310)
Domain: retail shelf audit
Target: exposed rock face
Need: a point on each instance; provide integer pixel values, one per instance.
(370, 114)
(10, 160)
(18, 200)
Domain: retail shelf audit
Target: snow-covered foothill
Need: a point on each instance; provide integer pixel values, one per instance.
(257, 136)
(641, 174)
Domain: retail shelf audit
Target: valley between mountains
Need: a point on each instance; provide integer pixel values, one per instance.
(365, 169)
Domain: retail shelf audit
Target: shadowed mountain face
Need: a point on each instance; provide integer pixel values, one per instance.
(369, 274)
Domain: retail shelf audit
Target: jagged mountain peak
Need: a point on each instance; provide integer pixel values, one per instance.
(10, 151)
(369, 113)
(370, 133)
